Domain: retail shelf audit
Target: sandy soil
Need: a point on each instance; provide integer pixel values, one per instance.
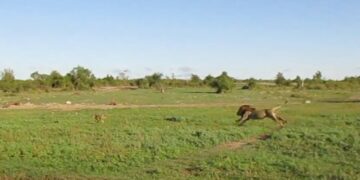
(70, 107)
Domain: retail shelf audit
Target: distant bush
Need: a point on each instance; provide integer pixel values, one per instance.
(109, 80)
(142, 83)
(195, 80)
(299, 82)
(317, 76)
(154, 79)
(208, 80)
(281, 81)
(8, 83)
(17, 86)
(8, 75)
(56, 80)
(223, 83)
(251, 83)
(81, 78)
(331, 85)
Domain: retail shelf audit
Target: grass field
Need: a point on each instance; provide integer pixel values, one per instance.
(179, 96)
(321, 140)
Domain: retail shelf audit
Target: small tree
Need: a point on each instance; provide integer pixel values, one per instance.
(82, 78)
(208, 80)
(195, 80)
(281, 81)
(68, 84)
(40, 78)
(223, 83)
(299, 82)
(109, 80)
(56, 80)
(251, 83)
(41, 81)
(154, 79)
(142, 83)
(317, 76)
(8, 75)
(7, 83)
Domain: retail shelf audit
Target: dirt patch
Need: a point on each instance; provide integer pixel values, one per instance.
(194, 170)
(355, 97)
(237, 144)
(115, 88)
(10, 104)
(342, 101)
(71, 107)
(352, 99)
(264, 137)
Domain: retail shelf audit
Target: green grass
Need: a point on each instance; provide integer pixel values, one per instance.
(71, 141)
(314, 145)
(321, 140)
(178, 96)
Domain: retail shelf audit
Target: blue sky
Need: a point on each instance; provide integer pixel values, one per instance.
(247, 38)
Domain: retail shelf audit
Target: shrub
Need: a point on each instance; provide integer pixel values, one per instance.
(7, 83)
(81, 78)
(56, 80)
(195, 80)
(142, 83)
(251, 83)
(317, 76)
(223, 83)
(281, 81)
(299, 82)
(208, 80)
(154, 79)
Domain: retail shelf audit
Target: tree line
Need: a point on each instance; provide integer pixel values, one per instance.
(81, 78)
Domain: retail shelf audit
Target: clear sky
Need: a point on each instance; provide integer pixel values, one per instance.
(247, 38)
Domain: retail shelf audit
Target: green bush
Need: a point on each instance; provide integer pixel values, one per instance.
(142, 83)
(195, 81)
(208, 80)
(56, 80)
(223, 83)
(154, 79)
(251, 83)
(81, 78)
(281, 81)
(299, 82)
(7, 83)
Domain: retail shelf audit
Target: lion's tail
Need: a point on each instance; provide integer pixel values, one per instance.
(279, 107)
(276, 108)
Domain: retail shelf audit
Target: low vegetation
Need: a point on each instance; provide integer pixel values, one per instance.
(126, 128)
(320, 141)
(80, 78)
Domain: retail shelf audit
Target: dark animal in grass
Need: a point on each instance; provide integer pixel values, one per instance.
(247, 112)
(112, 103)
(99, 118)
(16, 103)
(175, 118)
(7, 105)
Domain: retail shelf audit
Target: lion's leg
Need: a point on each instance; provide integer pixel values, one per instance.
(274, 118)
(282, 119)
(244, 118)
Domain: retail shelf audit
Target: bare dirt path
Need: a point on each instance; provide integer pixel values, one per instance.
(68, 107)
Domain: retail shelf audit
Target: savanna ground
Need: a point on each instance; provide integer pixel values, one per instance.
(47, 139)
